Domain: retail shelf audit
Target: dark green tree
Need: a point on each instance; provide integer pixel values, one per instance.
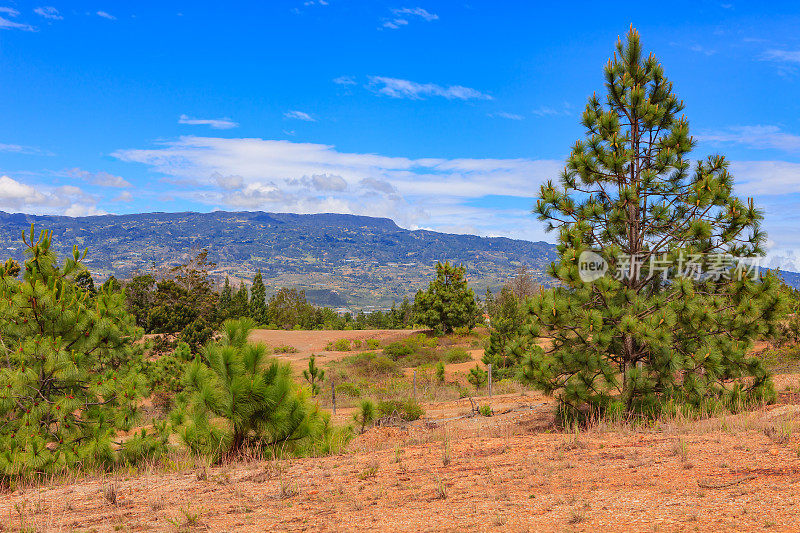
(448, 303)
(648, 337)
(506, 320)
(258, 299)
(66, 382)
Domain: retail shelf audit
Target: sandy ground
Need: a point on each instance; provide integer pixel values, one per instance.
(453, 471)
(509, 472)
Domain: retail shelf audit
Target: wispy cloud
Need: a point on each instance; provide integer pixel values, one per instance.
(402, 16)
(216, 123)
(19, 149)
(344, 80)
(399, 88)
(106, 15)
(48, 12)
(299, 115)
(760, 137)
(783, 56)
(102, 178)
(509, 116)
(548, 111)
(7, 24)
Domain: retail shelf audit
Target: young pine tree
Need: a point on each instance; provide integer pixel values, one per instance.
(314, 375)
(639, 342)
(448, 303)
(236, 398)
(65, 383)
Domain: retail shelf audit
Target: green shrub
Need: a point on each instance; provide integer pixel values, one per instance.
(357, 344)
(285, 348)
(440, 372)
(457, 355)
(407, 410)
(485, 410)
(342, 345)
(372, 344)
(348, 389)
(371, 365)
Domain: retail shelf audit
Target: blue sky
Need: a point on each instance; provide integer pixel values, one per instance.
(440, 115)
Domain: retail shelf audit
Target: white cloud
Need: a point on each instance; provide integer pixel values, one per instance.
(6, 24)
(102, 178)
(399, 88)
(106, 15)
(299, 115)
(765, 178)
(67, 199)
(124, 196)
(216, 123)
(503, 114)
(783, 56)
(19, 149)
(286, 176)
(48, 12)
(345, 80)
(548, 111)
(402, 15)
(762, 137)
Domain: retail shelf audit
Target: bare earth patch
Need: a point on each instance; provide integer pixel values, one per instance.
(449, 472)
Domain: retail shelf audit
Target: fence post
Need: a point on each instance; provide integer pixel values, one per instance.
(415, 384)
(333, 396)
(489, 366)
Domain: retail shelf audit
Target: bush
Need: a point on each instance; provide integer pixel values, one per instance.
(237, 400)
(485, 410)
(342, 345)
(457, 355)
(372, 344)
(365, 414)
(348, 389)
(285, 348)
(370, 364)
(407, 410)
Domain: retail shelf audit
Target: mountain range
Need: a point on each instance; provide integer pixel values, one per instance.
(339, 260)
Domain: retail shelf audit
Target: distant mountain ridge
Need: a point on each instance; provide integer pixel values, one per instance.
(340, 260)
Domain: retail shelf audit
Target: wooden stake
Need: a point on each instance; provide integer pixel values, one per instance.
(415, 384)
(489, 366)
(333, 396)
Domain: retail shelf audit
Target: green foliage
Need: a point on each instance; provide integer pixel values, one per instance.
(348, 389)
(448, 303)
(407, 410)
(365, 414)
(477, 376)
(371, 365)
(258, 300)
(314, 375)
(66, 383)
(165, 373)
(285, 348)
(440, 372)
(507, 317)
(640, 342)
(485, 410)
(236, 399)
(457, 355)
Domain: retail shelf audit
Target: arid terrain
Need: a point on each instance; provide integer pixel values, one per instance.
(457, 471)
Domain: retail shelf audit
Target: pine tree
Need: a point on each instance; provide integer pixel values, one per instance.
(236, 398)
(314, 375)
(258, 299)
(448, 303)
(506, 321)
(66, 385)
(661, 338)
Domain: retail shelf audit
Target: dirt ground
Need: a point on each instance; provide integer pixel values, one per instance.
(454, 471)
